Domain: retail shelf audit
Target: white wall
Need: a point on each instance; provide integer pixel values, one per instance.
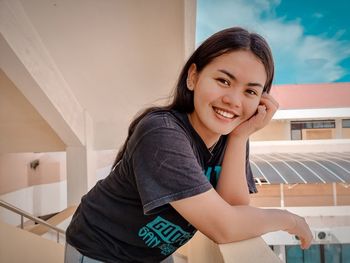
(40, 199)
(37, 200)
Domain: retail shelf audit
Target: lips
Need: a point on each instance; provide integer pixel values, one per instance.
(225, 113)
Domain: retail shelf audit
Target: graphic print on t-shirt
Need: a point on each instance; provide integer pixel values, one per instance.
(213, 174)
(165, 235)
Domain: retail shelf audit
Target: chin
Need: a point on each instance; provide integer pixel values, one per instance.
(227, 132)
(223, 131)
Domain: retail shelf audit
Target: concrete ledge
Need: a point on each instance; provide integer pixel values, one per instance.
(248, 251)
(203, 250)
(17, 245)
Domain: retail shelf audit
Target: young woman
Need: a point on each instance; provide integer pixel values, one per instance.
(185, 166)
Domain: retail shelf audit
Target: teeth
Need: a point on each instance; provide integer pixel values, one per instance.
(224, 113)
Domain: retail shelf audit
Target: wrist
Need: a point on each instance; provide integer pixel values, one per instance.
(238, 137)
(291, 222)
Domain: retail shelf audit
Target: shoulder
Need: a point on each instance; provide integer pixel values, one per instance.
(163, 120)
(160, 127)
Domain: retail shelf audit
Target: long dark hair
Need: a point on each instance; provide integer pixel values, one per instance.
(225, 41)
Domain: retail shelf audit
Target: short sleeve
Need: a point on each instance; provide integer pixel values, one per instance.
(249, 173)
(166, 169)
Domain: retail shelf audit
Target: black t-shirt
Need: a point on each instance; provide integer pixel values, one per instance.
(127, 216)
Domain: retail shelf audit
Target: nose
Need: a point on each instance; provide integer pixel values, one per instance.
(233, 98)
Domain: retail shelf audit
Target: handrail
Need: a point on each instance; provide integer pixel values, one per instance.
(23, 213)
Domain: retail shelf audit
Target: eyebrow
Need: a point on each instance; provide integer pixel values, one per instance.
(231, 76)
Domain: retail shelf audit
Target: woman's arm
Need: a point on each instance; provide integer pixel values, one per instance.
(224, 223)
(232, 184)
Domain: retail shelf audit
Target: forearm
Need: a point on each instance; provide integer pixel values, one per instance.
(234, 223)
(245, 222)
(232, 184)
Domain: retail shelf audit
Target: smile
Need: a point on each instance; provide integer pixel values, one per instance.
(225, 114)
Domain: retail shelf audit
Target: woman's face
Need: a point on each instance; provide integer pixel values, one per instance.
(226, 93)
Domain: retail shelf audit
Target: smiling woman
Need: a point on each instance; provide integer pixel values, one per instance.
(183, 161)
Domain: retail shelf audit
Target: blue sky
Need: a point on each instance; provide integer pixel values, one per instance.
(310, 39)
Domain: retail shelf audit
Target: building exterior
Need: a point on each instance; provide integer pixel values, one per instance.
(301, 162)
(309, 112)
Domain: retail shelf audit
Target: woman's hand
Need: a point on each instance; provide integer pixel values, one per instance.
(300, 229)
(267, 108)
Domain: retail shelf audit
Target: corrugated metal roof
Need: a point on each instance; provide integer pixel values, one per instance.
(292, 168)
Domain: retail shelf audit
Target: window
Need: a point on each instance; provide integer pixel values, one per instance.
(346, 123)
(297, 127)
(323, 124)
(296, 135)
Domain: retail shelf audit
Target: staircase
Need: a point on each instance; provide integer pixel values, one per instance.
(53, 221)
(20, 245)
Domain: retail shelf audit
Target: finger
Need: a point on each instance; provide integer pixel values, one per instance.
(269, 104)
(258, 119)
(270, 110)
(268, 99)
(262, 112)
(303, 244)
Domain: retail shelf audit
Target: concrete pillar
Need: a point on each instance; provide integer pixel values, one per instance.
(282, 195)
(81, 163)
(338, 129)
(288, 130)
(81, 166)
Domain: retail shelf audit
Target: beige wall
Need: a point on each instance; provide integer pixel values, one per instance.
(275, 130)
(318, 134)
(22, 129)
(300, 195)
(104, 60)
(116, 57)
(308, 195)
(280, 130)
(343, 194)
(268, 195)
(346, 133)
(15, 171)
(88, 68)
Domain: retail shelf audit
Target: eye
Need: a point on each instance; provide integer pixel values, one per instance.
(251, 92)
(224, 81)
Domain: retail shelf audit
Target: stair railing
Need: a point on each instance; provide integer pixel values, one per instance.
(25, 214)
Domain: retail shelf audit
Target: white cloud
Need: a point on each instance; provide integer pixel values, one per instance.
(299, 58)
(318, 15)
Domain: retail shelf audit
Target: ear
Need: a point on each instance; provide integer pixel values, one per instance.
(192, 77)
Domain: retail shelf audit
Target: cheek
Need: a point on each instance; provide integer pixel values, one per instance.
(205, 93)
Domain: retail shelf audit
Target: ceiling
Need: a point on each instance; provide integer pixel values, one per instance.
(112, 58)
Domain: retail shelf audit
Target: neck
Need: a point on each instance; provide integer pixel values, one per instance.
(209, 138)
